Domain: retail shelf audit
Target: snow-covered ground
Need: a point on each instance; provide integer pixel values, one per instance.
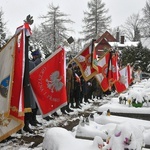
(106, 132)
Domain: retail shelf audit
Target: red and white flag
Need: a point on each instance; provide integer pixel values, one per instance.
(48, 82)
(11, 79)
(130, 71)
(84, 61)
(122, 84)
(113, 74)
(12, 63)
(102, 76)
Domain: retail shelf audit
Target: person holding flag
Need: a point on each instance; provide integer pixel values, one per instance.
(36, 55)
(33, 120)
(26, 80)
(21, 77)
(77, 85)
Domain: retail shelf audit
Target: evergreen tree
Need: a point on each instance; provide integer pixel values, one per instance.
(128, 55)
(95, 20)
(2, 30)
(37, 43)
(53, 29)
(136, 56)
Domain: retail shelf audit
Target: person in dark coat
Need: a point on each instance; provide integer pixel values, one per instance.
(36, 57)
(34, 107)
(85, 91)
(26, 87)
(69, 86)
(33, 102)
(77, 85)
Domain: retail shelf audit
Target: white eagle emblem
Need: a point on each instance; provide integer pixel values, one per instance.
(55, 82)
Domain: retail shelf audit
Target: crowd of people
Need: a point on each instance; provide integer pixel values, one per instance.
(78, 91)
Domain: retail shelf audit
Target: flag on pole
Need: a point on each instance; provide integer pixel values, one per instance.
(113, 74)
(10, 119)
(102, 67)
(48, 82)
(130, 71)
(84, 61)
(11, 80)
(122, 84)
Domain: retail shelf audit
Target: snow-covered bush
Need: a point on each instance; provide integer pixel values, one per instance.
(136, 98)
(126, 136)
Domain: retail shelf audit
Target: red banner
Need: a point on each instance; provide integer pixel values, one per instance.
(122, 84)
(17, 97)
(12, 58)
(130, 70)
(102, 76)
(84, 61)
(113, 73)
(48, 81)
(11, 114)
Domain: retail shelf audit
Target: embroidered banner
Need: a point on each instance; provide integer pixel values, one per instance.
(10, 121)
(84, 61)
(48, 82)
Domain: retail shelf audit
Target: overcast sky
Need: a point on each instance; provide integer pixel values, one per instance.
(15, 11)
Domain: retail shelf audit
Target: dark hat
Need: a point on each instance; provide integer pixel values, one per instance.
(73, 63)
(36, 52)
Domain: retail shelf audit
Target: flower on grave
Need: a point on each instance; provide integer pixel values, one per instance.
(127, 141)
(129, 102)
(108, 112)
(118, 134)
(108, 139)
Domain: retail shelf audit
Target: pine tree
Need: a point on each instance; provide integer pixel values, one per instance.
(136, 56)
(53, 29)
(95, 20)
(2, 30)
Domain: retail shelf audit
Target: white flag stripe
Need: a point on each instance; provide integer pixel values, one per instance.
(6, 68)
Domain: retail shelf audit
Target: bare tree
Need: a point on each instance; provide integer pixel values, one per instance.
(146, 20)
(95, 19)
(131, 28)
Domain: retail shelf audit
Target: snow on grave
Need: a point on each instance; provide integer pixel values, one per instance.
(91, 129)
(136, 94)
(104, 119)
(125, 136)
(115, 107)
(57, 138)
(105, 127)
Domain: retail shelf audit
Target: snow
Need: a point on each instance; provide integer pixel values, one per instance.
(145, 42)
(125, 44)
(126, 136)
(60, 139)
(114, 106)
(96, 132)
